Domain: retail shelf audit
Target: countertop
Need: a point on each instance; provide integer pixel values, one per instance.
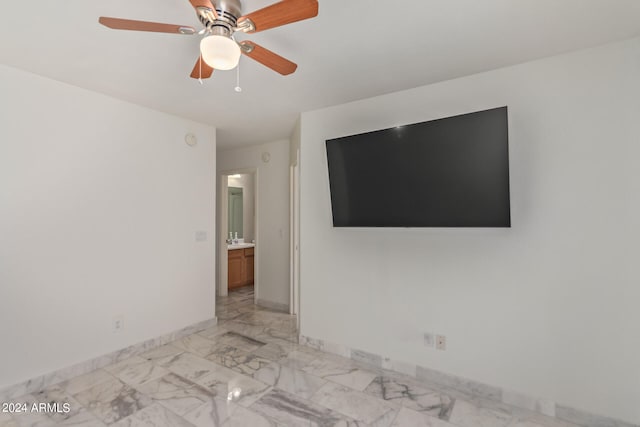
(240, 246)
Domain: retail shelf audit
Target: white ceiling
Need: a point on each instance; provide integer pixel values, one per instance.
(354, 49)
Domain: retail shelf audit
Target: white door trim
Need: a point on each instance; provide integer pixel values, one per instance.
(294, 208)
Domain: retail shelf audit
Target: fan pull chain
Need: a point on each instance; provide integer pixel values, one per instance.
(238, 88)
(200, 75)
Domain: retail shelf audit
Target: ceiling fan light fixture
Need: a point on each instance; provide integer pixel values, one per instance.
(220, 52)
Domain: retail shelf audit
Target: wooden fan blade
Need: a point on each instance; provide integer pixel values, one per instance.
(267, 58)
(281, 13)
(201, 70)
(204, 3)
(155, 27)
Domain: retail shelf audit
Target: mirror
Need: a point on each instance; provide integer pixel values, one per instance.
(235, 211)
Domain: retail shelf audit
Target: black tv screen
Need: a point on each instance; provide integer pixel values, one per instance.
(451, 172)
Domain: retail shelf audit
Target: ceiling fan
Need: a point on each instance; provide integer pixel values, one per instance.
(221, 19)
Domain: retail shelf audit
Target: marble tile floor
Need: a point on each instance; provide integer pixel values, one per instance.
(249, 371)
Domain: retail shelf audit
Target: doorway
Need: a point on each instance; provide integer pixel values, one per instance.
(237, 231)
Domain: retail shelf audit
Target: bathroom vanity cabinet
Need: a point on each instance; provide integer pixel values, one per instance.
(240, 271)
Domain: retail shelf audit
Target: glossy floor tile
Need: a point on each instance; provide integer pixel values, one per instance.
(250, 371)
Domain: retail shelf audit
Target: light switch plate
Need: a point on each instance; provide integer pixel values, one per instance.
(429, 340)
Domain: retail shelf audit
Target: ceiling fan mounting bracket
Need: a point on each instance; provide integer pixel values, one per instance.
(188, 31)
(246, 46)
(246, 25)
(205, 14)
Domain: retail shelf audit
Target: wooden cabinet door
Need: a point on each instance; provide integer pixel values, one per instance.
(236, 271)
(249, 269)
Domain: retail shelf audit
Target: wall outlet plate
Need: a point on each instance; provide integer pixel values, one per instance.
(441, 342)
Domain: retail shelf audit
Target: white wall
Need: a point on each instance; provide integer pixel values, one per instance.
(272, 212)
(246, 181)
(548, 307)
(99, 204)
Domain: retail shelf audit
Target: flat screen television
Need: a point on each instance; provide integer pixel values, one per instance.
(451, 172)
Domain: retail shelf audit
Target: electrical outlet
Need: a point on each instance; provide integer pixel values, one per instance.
(118, 323)
(441, 342)
(428, 339)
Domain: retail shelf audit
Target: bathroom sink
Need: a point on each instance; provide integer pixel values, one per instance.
(231, 247)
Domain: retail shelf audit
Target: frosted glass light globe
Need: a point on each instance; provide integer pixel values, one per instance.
(220, 52)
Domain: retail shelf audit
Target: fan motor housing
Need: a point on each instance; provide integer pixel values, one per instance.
(229, 7)
(228, 12)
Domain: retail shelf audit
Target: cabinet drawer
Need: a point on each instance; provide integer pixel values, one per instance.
(236, 253)
(248, 252)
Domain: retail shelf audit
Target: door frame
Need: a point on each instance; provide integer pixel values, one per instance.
(294, 226)
(222, 286)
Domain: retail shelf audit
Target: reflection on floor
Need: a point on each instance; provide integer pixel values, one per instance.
(249, 371)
